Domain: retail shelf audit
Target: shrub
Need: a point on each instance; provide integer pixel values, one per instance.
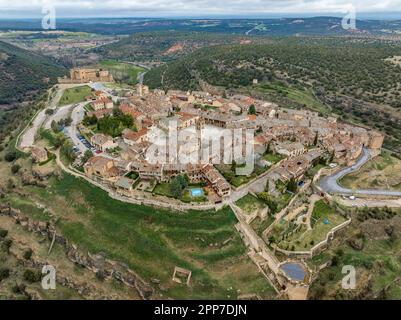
(32, 276)
(28, 254)
(18, 289)
(6, 245)
(15, 168)
(11, 156)
(3, 233)
(4, 273)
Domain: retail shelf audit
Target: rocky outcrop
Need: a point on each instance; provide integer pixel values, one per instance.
(96, 263)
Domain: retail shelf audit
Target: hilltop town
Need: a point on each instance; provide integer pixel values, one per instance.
(299, 138)
(276, 168)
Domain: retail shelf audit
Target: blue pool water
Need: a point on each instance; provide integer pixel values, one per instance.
(294, 271)
(197, 192)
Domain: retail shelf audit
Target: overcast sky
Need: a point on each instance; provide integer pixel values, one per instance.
(177, 8)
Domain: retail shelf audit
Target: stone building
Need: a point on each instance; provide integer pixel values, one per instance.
(84, 75)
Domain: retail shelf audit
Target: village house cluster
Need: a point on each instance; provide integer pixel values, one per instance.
(301, 137)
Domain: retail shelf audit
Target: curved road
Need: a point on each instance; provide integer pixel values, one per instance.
(330, 184)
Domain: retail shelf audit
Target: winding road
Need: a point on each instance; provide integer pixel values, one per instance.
(330, 184)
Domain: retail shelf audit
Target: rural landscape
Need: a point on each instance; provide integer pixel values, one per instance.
(200, 158)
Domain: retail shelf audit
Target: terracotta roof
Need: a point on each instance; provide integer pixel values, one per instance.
(134, 136)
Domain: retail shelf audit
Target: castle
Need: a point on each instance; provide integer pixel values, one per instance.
(83, 75)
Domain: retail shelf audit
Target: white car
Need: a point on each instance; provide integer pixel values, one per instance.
(352, 198)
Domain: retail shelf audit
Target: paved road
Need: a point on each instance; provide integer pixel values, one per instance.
(27, 139)
(330, 184)
(59, 114)
(77, 115)
(371, 203)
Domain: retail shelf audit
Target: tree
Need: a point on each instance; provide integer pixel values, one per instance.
(292, 185)
(67, 121)
(233, 165)
(264, 196)
(4, 273)
(32, 276)
(49, 112)
(178, 185)
(175, 187)
(267, 187)
(55, 127)
(68, 151)
(28, 254)
(11, 156)
(330, 160)
(252, 109)
(3, 233)
(15, 168)
(89, 121)
(315, 141)
(6, 245)
(87, 155)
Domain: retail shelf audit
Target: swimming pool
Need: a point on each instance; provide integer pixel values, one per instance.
(198, 192)
(294, 271)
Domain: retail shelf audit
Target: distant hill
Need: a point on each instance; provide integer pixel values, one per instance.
(358, 78)
(166, 46)
(24, 73)
(327, 26)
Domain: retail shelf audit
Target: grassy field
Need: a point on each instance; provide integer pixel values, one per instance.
(153, 241)
(249, 204)
(163, 189)
(75, 95)
(303, 97)
(237, 181)
(122, 71)
(383, 172)
(273, 158)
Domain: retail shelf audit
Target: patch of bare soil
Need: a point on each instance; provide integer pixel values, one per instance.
(175, 48)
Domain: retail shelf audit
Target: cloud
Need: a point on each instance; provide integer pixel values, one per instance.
(194, 7)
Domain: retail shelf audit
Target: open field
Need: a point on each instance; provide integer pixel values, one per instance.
(75, 95)
(229, 174)
(152, 241)
(249, 204)
(304, 97)
(383, 172)
(273, 158)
